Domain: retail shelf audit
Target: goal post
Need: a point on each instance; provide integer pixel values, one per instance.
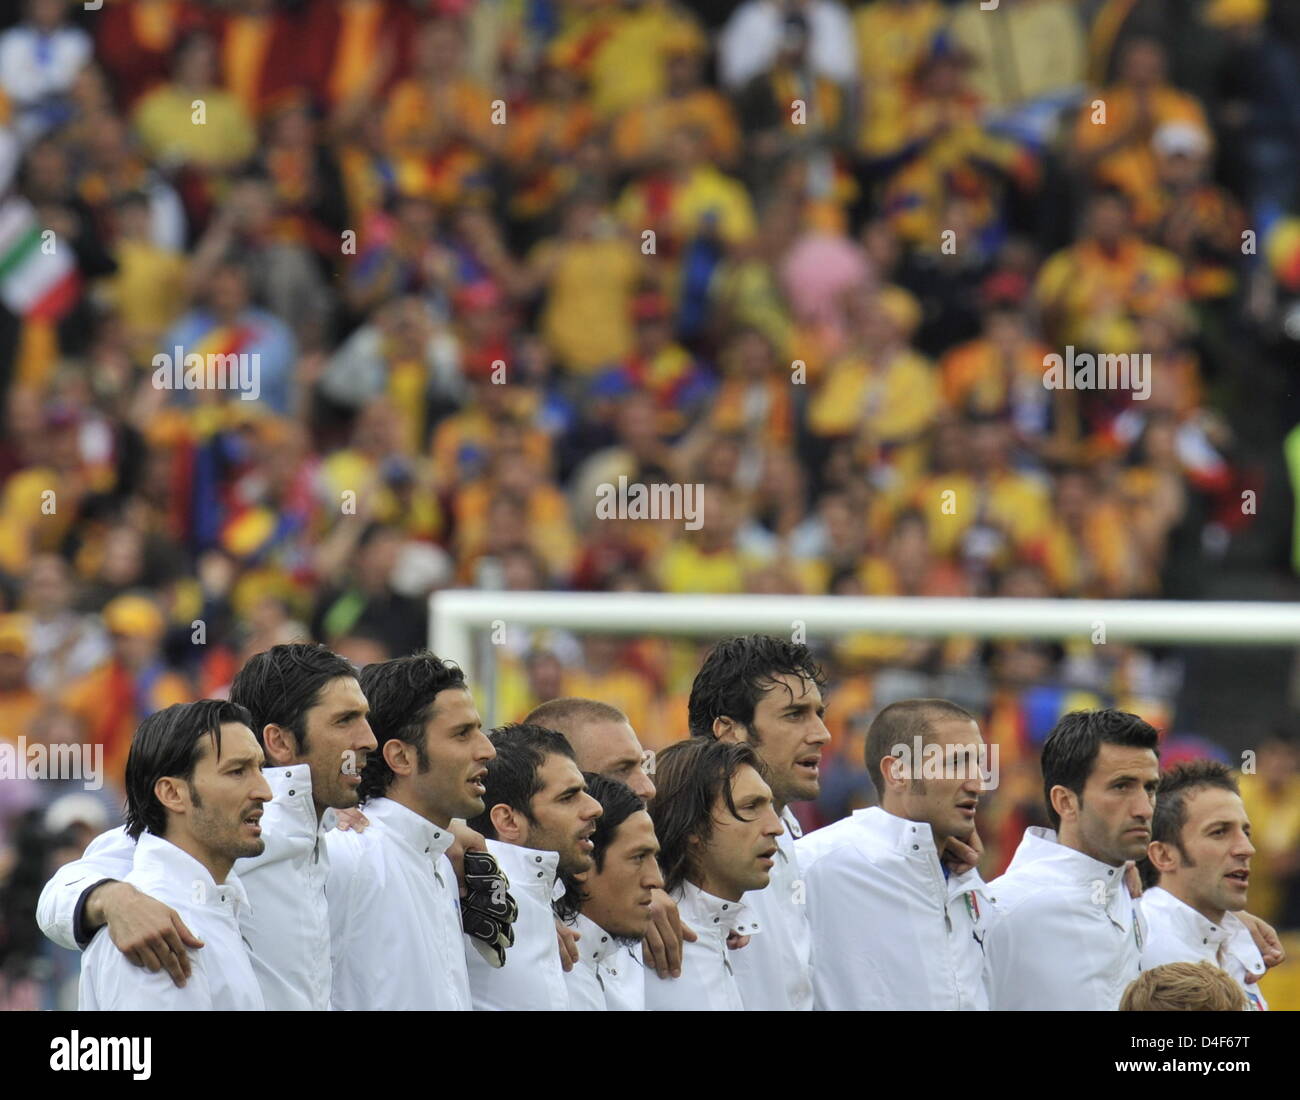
(456, 614)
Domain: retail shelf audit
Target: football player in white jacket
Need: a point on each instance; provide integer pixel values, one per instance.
(895, 924)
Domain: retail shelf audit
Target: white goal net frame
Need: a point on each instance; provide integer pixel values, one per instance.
(456, 615)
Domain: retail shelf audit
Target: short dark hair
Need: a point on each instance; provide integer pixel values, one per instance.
(559, 714)
(280, 685)
(1071, 749)
(738, 671)
(689, 777)
(169, 743)
(402, 694)
(522, 749)
(618, 802)
(900, 723)
(1177, 785)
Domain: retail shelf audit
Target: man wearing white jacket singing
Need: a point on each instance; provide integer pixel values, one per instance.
(309, 716)
(395, 913)
(897, 922)
(1069, 933)
(539, 820)
(766, 692)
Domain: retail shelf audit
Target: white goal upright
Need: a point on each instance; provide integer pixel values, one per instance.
(457, 614)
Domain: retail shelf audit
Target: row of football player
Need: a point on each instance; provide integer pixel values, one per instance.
(591, 876)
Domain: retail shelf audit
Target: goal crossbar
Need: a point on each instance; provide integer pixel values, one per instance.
(456, 613)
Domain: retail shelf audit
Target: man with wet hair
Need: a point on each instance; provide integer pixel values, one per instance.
(395, 924)
(717, 826)
(766, 692)
(195, 798)
(538, 819)
(309, 717)
(615, 902)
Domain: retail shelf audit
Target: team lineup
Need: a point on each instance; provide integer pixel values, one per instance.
(355, 840)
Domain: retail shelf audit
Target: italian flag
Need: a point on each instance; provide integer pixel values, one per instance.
(38, 280)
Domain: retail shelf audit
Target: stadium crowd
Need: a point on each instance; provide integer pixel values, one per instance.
(491, 256)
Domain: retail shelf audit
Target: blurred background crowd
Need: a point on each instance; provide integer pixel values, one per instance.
(808, 254)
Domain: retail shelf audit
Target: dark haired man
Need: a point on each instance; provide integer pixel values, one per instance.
(309, 716)
(904, 931)
(195, 794)
(717, 828)
(766, 692)
(1200, 857)
(538, 819)
(395, 922)
(615, 911)
(605, 743)
(1069, 934)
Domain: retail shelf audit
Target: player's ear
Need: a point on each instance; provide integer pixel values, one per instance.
(280, 744)
(399, 756)
(173, 793)
(728, 729)
(1065, 802)
(894, 771)
(1162, 856)
(507, 823)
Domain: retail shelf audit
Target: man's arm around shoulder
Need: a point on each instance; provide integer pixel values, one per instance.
(87, 894)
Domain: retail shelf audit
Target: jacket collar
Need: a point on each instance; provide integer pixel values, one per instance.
(528, 868)
(914, 840)
(717, 914)
(909, 837)
(1192, 928)
(417, 833)
(163, 862)
(291, 787)
(595, 944)
(1044, 848)
(1042, 853)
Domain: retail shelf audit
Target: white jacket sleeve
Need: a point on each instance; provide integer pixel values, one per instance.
(112, 984)
(109, 855)
(349, 881)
